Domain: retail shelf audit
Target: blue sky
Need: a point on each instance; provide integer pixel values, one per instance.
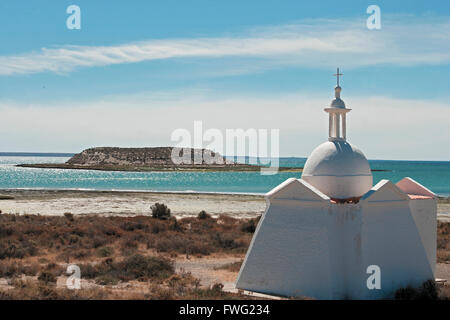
(138, 70)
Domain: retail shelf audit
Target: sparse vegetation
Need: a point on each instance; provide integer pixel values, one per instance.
(35, 250)
(111, 250)
(32, 290)
(47, 277)
(136, 267)
(427, 291)
(443, 242)
(182, 286)
(17, 249)
(105, 251)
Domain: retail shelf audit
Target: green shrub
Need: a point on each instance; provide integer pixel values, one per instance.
(160, 211)
(203, 215)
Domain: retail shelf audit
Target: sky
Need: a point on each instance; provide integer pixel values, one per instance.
(138, 70)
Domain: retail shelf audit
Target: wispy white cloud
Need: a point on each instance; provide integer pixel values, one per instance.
(313, 43)
(385, 128)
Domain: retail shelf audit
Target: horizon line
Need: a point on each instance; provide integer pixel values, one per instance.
(64, 154)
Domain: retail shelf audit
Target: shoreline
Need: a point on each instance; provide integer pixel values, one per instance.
(193, 192)
(56, 202)
(441, 198)
(128, 203)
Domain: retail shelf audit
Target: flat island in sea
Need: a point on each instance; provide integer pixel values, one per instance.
(149, 159)
(152, 159)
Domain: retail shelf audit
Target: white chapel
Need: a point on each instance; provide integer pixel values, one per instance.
(333, 235)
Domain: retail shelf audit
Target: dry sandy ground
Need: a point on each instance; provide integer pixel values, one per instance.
(205, 269)
(129, 203)
(47, 202)
(443, 271)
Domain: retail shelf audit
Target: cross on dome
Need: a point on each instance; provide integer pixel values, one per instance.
(337, 114)
(337, 74)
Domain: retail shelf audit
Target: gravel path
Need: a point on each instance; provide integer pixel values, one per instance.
(443, 271)
(204, 269)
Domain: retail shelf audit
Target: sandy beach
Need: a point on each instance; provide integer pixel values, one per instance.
(107, 203)
(122, 203)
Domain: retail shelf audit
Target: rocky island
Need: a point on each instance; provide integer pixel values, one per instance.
(148, 159)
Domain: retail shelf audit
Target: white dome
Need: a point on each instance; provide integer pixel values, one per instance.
(339, 170)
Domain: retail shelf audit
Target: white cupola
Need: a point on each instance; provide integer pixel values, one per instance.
(337, 168)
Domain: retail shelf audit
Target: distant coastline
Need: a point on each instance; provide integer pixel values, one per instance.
(36, 154)
(186, 168)
(183, 168)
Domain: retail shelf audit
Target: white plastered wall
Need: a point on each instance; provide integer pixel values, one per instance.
(306, 245)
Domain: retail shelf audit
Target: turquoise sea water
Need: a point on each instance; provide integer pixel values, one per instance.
(433, 174)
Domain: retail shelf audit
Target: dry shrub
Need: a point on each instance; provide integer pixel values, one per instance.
(105, 251)
(427, 291)
(250, 225)
(69, 216)
(31, 290)
(174, 243)
(443, 242)
(17, 249)
(16, 268)
(22, 236)
(132, 226)
(136, 267)
(47, 277)
(213, 292)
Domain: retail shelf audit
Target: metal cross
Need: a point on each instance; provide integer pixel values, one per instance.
(337, 74)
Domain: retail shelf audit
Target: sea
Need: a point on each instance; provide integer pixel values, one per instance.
(435, 175)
